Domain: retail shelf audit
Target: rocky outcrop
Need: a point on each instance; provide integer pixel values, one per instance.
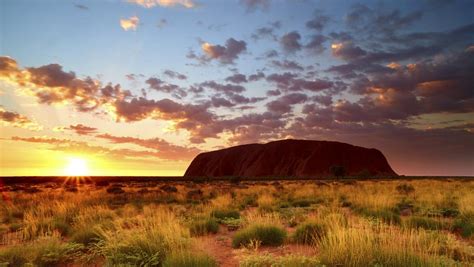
(289, 158)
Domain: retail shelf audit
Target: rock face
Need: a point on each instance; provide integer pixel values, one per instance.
(289, 158)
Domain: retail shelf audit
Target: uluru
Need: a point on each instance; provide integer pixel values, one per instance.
(290, 158)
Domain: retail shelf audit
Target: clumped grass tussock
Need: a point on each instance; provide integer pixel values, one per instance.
(464, 225)
(145, 240)
(382, 245)
(203, 226)
(424, 222)
(267, 235)
(282, 261)
(221, 214)
(309, 233)
(189, 259)
(46, 251)
(385, 215)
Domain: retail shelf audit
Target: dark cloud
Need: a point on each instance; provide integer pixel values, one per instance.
(164, 149)
(316, 44)
(318, 22)
(257, 76)
(225, 54)
(287, 65)
(264, 33)
(237, 78)
(290, 42)
(289, 82)
(252, 5)
(273, 93)
(81, 7)
(80, 129)
(17, 120)
(162, 86)
(175, 75)
(223, 88)
(284, 103)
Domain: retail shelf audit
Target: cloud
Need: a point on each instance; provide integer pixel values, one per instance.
(79, 129)
(318, 22)
(164, 149)
(162, 86)
(287, 65)
(290, 42)
(225, 54)
(284, 103)
(175, 75)
(49, 84)
(316, 44)
(10, 118)
(164, 3)
(264, 33)
(130, 24)
(162, 23)
(289, 82)
(72, 146)
(256, 77)
(237, 78)
(252, 5)
(82, 7)
(223, 88)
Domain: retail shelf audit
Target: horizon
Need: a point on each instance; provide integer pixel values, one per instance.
(140, 87)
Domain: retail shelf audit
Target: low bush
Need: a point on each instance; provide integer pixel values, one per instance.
(424, 222)
(188, 259)
(464, 225)
(386, 216)
(201, 227)
(309, 233)
(86, 236)
(223, 214)
(405, 189)
(268, 235)
(46, 251)
(282, 261)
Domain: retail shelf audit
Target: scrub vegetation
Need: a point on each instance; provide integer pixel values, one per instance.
(244, 223)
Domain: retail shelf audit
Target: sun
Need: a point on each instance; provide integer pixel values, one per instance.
(76, 167)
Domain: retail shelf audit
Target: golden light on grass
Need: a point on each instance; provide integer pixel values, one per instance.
(76, 167)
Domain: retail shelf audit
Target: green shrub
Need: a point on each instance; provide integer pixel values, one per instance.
(86, 236)
(449, 207)
(282, 261)
(303, 203)
(268, 236)
(13, 256)
(204, 227)
(223, 214)
(249, 201)
(56, 253)
(387, 216)
(309, 233)
(188, 259)
(423, 222)
(464, 225)
(47, 251)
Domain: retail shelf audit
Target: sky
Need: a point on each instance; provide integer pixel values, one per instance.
(140, 87)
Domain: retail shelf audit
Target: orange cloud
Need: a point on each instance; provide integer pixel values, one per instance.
(130, 24)
(17, 120)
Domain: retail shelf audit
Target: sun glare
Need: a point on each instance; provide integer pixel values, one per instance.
(76, 167)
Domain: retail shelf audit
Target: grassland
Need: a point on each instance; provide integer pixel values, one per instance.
(285, 223)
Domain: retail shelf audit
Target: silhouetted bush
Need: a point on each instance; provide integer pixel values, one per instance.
(338, 171)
